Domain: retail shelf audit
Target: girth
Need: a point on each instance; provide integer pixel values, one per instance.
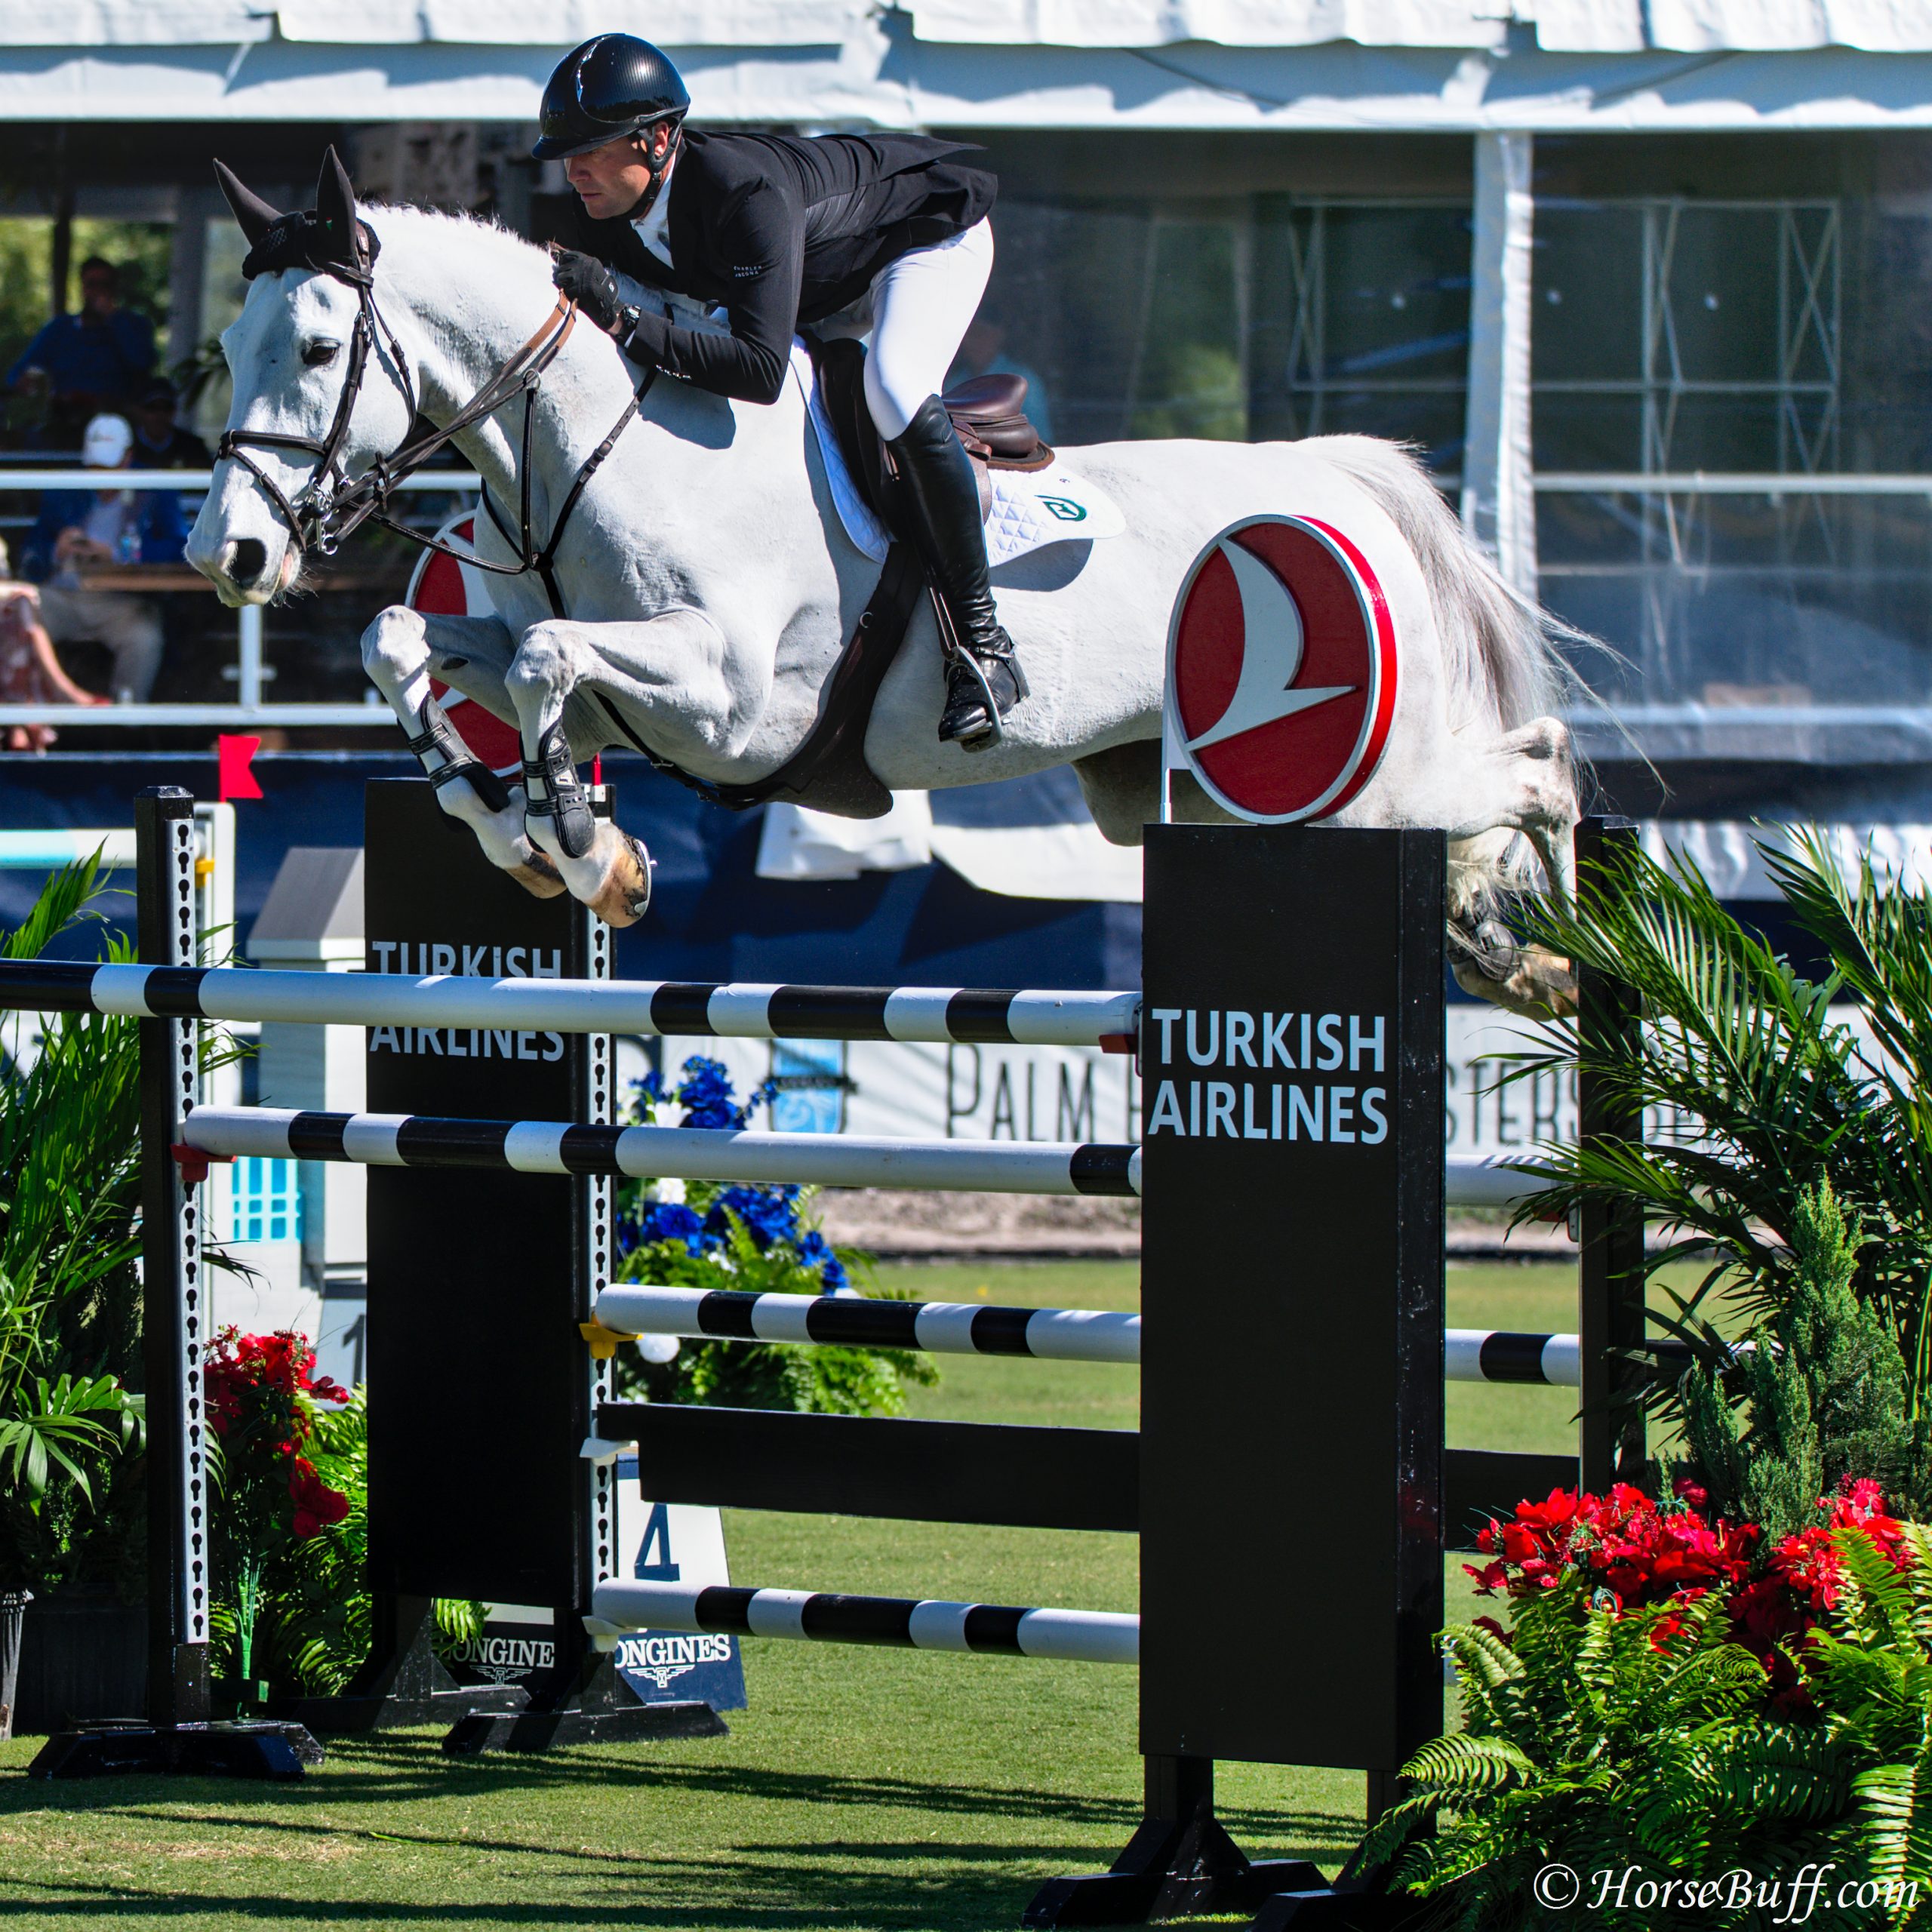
(829, 770)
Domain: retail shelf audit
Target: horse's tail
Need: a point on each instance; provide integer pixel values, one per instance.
(1499, 652)
(1499, 646)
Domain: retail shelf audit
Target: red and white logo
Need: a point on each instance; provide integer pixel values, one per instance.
(446, 587)
(1281, 670)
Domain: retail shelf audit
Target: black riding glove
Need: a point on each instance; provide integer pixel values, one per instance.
(593, 287)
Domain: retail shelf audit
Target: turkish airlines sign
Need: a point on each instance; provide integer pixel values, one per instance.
(1281, 670)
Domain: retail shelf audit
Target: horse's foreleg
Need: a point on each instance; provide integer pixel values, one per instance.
(560, 672)
(1525, 782)
(399, 651)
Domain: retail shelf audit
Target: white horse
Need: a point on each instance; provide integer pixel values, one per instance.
(709, 588)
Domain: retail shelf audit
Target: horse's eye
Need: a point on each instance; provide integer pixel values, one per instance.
(320, 354)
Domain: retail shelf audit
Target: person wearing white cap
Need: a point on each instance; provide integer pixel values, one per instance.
(92, 530)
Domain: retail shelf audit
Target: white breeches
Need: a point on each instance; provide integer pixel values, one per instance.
(921, 305)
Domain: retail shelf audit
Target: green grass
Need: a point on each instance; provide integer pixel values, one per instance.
(863, 1789)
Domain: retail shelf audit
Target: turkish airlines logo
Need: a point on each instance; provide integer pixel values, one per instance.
(1281, 670)
(444, 586)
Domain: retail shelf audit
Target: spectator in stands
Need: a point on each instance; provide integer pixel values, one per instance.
(30, 672)
(160, 442)
(983, 353)
(92, 531)
(100, 358)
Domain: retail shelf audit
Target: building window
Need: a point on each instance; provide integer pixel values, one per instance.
(1365, 322)
(1250, 317)
(1730, 425)
(268, 1203)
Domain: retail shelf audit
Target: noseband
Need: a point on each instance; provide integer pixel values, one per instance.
(330, 506)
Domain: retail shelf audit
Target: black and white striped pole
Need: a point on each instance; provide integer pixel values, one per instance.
(934, 1327)
(1076, 1636)
(556, 1147)
(481, 996)
(815, 1160)
(1048, 1334)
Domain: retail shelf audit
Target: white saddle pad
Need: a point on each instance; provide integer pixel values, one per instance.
(1030, 508)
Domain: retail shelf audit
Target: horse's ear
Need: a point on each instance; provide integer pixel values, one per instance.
(335, 208)
(252, 214)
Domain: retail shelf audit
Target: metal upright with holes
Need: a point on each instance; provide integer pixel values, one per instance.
(178, 1734)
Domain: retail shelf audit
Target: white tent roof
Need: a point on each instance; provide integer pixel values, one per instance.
(1445, 65)
(1560, 26)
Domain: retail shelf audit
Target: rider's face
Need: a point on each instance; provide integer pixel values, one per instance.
(612, 180)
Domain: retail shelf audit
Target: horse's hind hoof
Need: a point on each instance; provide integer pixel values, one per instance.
(624, 896)
(537, 876)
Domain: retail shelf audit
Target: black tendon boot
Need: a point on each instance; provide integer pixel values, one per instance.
(983, 679)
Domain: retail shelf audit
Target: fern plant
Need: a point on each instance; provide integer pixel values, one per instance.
(1642, 1743)
(1874, 1670)
(1607, 1742)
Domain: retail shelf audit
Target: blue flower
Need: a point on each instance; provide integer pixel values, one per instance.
(665, 1220)
(705, 1093)
(650, 1095)
(769, 1213)
(814, 1250)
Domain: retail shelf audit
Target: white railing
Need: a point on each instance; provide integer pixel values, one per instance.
(1727, 483)
(1745, 729)
(249, 707)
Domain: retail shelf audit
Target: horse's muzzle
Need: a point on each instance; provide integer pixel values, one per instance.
(245, 561)
(244, 570)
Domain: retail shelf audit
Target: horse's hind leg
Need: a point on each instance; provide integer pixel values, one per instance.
(400, 649)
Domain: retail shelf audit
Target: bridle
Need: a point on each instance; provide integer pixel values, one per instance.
(330, 506)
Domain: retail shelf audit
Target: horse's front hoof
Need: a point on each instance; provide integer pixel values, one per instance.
(537, 876)
(624, 896)
(1540, 986)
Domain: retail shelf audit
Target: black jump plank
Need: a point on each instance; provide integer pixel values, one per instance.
(865, 1465)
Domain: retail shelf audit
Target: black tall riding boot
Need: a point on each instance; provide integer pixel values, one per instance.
(983, 680)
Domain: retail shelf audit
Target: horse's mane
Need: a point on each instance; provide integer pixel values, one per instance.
(386, 217)
(399, 218)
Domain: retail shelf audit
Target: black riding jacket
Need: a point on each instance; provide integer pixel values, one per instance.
(784, 230)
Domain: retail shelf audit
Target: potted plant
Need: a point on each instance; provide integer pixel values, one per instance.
(70, 1411)
(756, 1239)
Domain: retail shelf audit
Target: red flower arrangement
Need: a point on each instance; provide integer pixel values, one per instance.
(259, 1389)
(1636, 1551)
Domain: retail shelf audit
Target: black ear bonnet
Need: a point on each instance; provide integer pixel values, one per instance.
(327, 239)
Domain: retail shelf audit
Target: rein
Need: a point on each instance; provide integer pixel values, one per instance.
(329, 507)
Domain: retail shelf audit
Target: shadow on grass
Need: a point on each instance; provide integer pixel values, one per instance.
(960, 1887)
(387, 1774)
(829, 1881)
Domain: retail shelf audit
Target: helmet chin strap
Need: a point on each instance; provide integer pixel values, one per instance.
(659, 169)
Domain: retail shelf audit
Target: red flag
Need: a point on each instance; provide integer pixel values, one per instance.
(236, 754)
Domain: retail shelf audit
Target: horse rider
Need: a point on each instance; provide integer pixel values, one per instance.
(785, 232)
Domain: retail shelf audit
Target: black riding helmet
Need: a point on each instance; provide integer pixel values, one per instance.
(614, 85)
